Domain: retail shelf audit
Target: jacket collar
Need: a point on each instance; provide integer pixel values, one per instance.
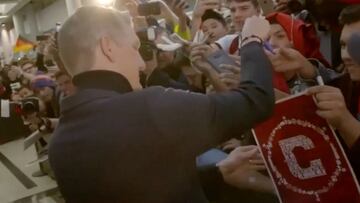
(95, 85)
(102, 79)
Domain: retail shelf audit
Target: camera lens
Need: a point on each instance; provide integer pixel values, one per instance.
(29, 107)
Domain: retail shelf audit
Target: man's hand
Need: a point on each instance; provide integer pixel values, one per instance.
(255, 26)
(241, 167)
(202, 5)
(179, 8)
(231, 75)
(288, 60)
(331, 104)
(332, 107)
(193, 77)
(230, 144)
(198, 54)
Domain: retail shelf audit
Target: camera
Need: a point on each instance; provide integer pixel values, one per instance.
(29, 106)
(15, 109)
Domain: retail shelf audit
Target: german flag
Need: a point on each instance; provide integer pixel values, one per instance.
(23, 45)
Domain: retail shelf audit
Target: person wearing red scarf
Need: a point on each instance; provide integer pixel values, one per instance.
(295, 43)
(302, 36)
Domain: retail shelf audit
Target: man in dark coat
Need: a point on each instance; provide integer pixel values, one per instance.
(117, 143)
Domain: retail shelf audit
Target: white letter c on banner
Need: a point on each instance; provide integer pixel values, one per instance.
(316, 168)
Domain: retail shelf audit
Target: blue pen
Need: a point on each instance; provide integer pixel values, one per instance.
(268, 47)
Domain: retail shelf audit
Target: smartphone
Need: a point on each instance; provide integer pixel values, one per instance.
(147, 9)
(42, 37)
(267, 6)
(218, 58)
(147, 34)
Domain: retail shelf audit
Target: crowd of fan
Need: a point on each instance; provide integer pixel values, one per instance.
(293, 47)
(36, 80)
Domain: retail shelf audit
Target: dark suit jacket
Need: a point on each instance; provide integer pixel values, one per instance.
(116, 145)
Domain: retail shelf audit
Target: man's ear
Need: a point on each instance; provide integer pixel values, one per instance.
(106, 47)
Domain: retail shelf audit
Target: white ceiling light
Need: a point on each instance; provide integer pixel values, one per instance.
(105, 2)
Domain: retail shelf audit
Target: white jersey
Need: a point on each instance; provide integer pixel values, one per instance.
(226, 41)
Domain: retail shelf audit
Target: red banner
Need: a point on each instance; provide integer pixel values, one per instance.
(304, 156)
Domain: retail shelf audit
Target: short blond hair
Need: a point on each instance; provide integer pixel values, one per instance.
(80, 35)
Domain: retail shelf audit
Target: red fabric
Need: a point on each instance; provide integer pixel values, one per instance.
(2, 90)
(18, 110)
(234, 46)
(359, 106)
(291, 146)
(302, 35)
(279, 81)
(350, 1)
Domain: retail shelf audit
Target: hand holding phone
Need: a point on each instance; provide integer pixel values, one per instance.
(147, 9)
(218, 58)
(202, 5)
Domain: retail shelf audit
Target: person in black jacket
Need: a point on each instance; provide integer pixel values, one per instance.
(118, 143)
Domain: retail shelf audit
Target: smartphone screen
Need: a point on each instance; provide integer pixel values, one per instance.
(147, 9)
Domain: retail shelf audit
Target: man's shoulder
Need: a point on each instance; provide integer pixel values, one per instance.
(161, 98)
(153, 97)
